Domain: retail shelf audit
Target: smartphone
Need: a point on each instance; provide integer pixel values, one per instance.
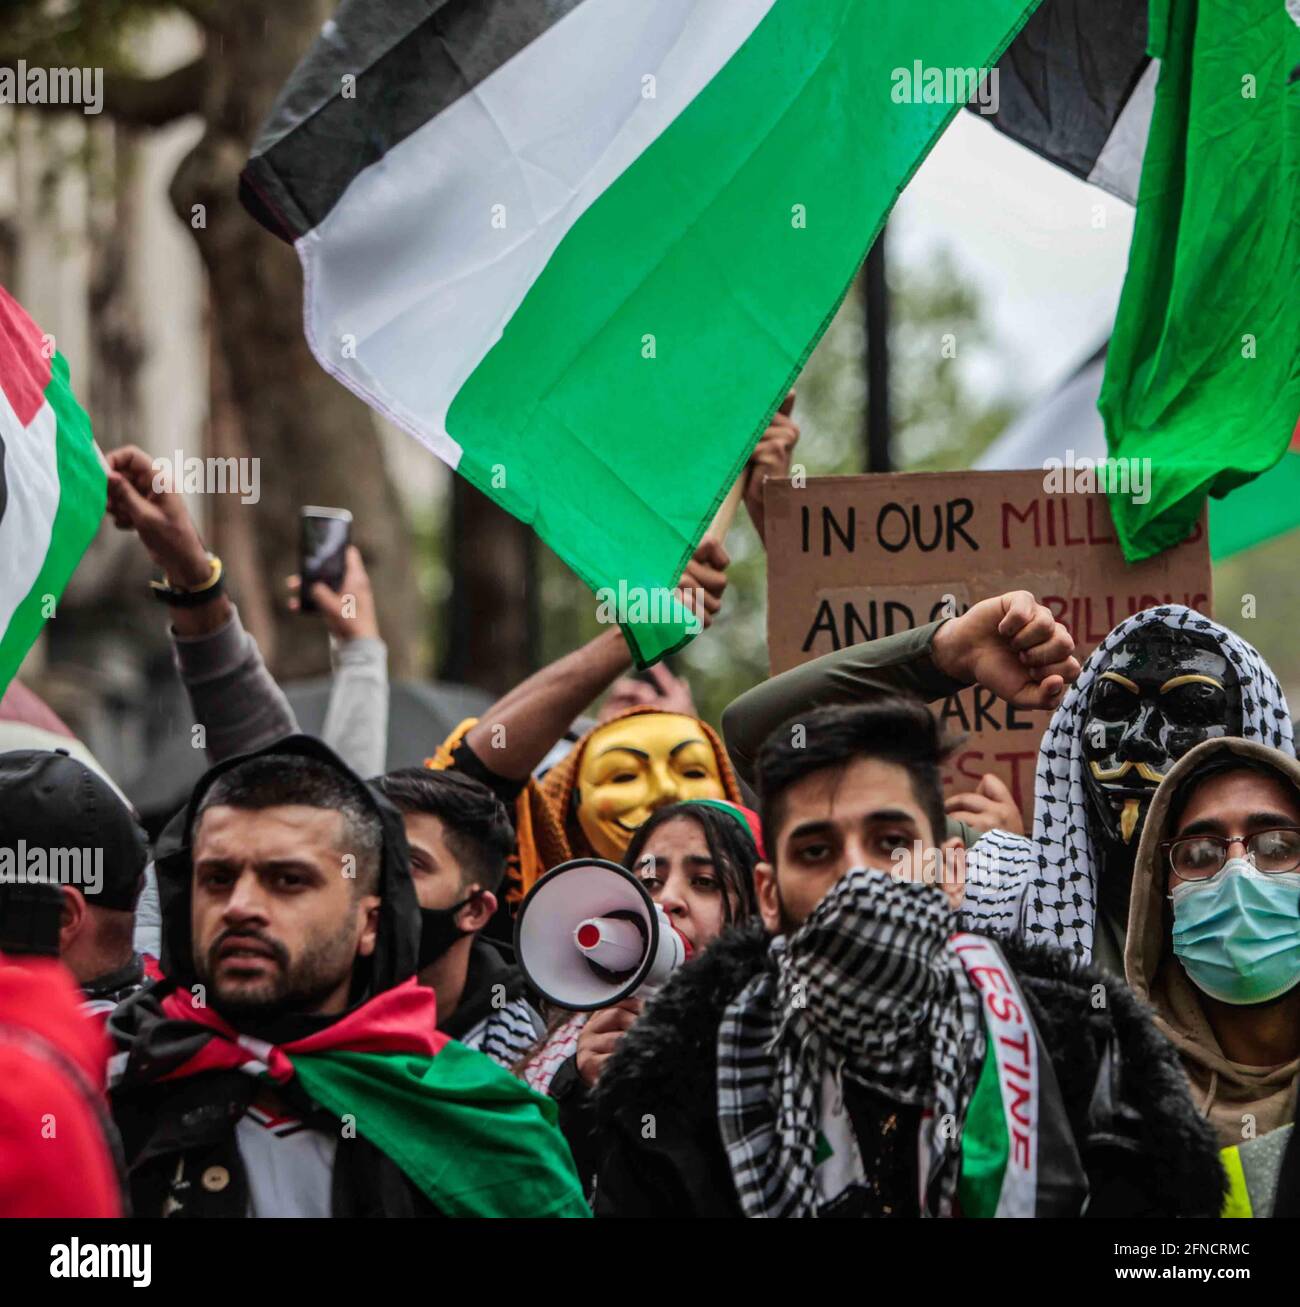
(322, 550)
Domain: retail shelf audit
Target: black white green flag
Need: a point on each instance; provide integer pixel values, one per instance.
(580, 248)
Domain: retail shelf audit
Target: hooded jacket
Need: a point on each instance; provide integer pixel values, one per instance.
(180, 1090)
(1144, 1150)
(1224, 1091)
(1044, 887)
(172, 1130)
(398, 934)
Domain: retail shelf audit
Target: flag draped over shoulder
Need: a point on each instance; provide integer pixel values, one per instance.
(52, 483)
(1203, 372)
(580, 248)
(474, 1139)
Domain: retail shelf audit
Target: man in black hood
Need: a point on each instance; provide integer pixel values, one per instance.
(289, 1062)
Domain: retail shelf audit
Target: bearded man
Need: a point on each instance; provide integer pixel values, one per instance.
(290, 1063)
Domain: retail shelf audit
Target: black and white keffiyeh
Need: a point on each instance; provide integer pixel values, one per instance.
(869, 988)
(507, 1033)
(1044, 888)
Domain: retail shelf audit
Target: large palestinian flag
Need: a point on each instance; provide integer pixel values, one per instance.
(52, 483)
(581, 248)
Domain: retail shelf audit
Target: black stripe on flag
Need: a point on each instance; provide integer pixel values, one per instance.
(1064, 81)
(411, 59)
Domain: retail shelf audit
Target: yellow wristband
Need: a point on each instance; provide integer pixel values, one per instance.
(212, 580)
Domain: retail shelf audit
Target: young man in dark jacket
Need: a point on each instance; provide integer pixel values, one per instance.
(289, 1064)
(803, 1068)
(460, 837)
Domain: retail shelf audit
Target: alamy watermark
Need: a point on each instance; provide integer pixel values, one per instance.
(23, 865)
(922, 84)
(1087, 476)
(191, 475)
(75, 1260)
(24, 85)
(936, 865)
(634, 604)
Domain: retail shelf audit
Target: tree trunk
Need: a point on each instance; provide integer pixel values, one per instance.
(492, 637)
(316, 443)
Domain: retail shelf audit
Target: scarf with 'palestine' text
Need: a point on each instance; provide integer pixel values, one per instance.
(472, 1138)
(875, 987)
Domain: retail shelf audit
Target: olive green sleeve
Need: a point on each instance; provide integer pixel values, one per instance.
(898, 662)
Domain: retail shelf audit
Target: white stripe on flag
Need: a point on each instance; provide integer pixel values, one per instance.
(31, 473)
(409, 265)
(1118, 168)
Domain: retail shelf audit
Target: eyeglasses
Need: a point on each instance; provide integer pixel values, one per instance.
(1198, 857)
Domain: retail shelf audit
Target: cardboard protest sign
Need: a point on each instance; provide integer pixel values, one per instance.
(860, 557)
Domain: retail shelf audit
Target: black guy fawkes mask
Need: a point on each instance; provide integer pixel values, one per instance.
(1163, 692)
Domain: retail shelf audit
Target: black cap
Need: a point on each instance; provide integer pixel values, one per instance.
(49, 800)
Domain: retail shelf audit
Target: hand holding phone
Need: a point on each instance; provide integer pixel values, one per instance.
(324, 535)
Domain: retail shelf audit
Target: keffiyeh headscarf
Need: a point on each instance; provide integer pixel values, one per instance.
(867, 988)
(1044, 888)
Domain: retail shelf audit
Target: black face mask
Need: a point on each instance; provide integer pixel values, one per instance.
(439, 931)
(1163, 693)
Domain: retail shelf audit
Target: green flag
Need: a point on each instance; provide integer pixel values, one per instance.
(1203, 373)
(477, 1141)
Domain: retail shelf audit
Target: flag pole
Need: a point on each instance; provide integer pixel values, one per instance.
(876, 313)
(726, 514)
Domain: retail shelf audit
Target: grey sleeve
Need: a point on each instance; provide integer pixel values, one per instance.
(148, 916)
(898, 662)
(356, 721)
(233, 696)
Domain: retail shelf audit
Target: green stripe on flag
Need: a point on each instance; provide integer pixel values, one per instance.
(619, 459)
(473, 1138)
(1203, 370)
(83, 492)
(985, 1145)
(1266, 507)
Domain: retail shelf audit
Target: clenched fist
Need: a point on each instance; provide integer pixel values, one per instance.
(1011, 645)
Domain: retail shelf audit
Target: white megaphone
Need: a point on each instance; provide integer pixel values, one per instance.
(588, 935)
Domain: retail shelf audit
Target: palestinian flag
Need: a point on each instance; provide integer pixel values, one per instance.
(1203, 371)
(1077, 86)
(470, 1136)
(581, 248)
(1018, 1152)
(52, 483)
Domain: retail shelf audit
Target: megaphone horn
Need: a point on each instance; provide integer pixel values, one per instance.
(589, 935)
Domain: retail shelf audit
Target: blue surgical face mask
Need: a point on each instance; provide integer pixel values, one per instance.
(1237, 934)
